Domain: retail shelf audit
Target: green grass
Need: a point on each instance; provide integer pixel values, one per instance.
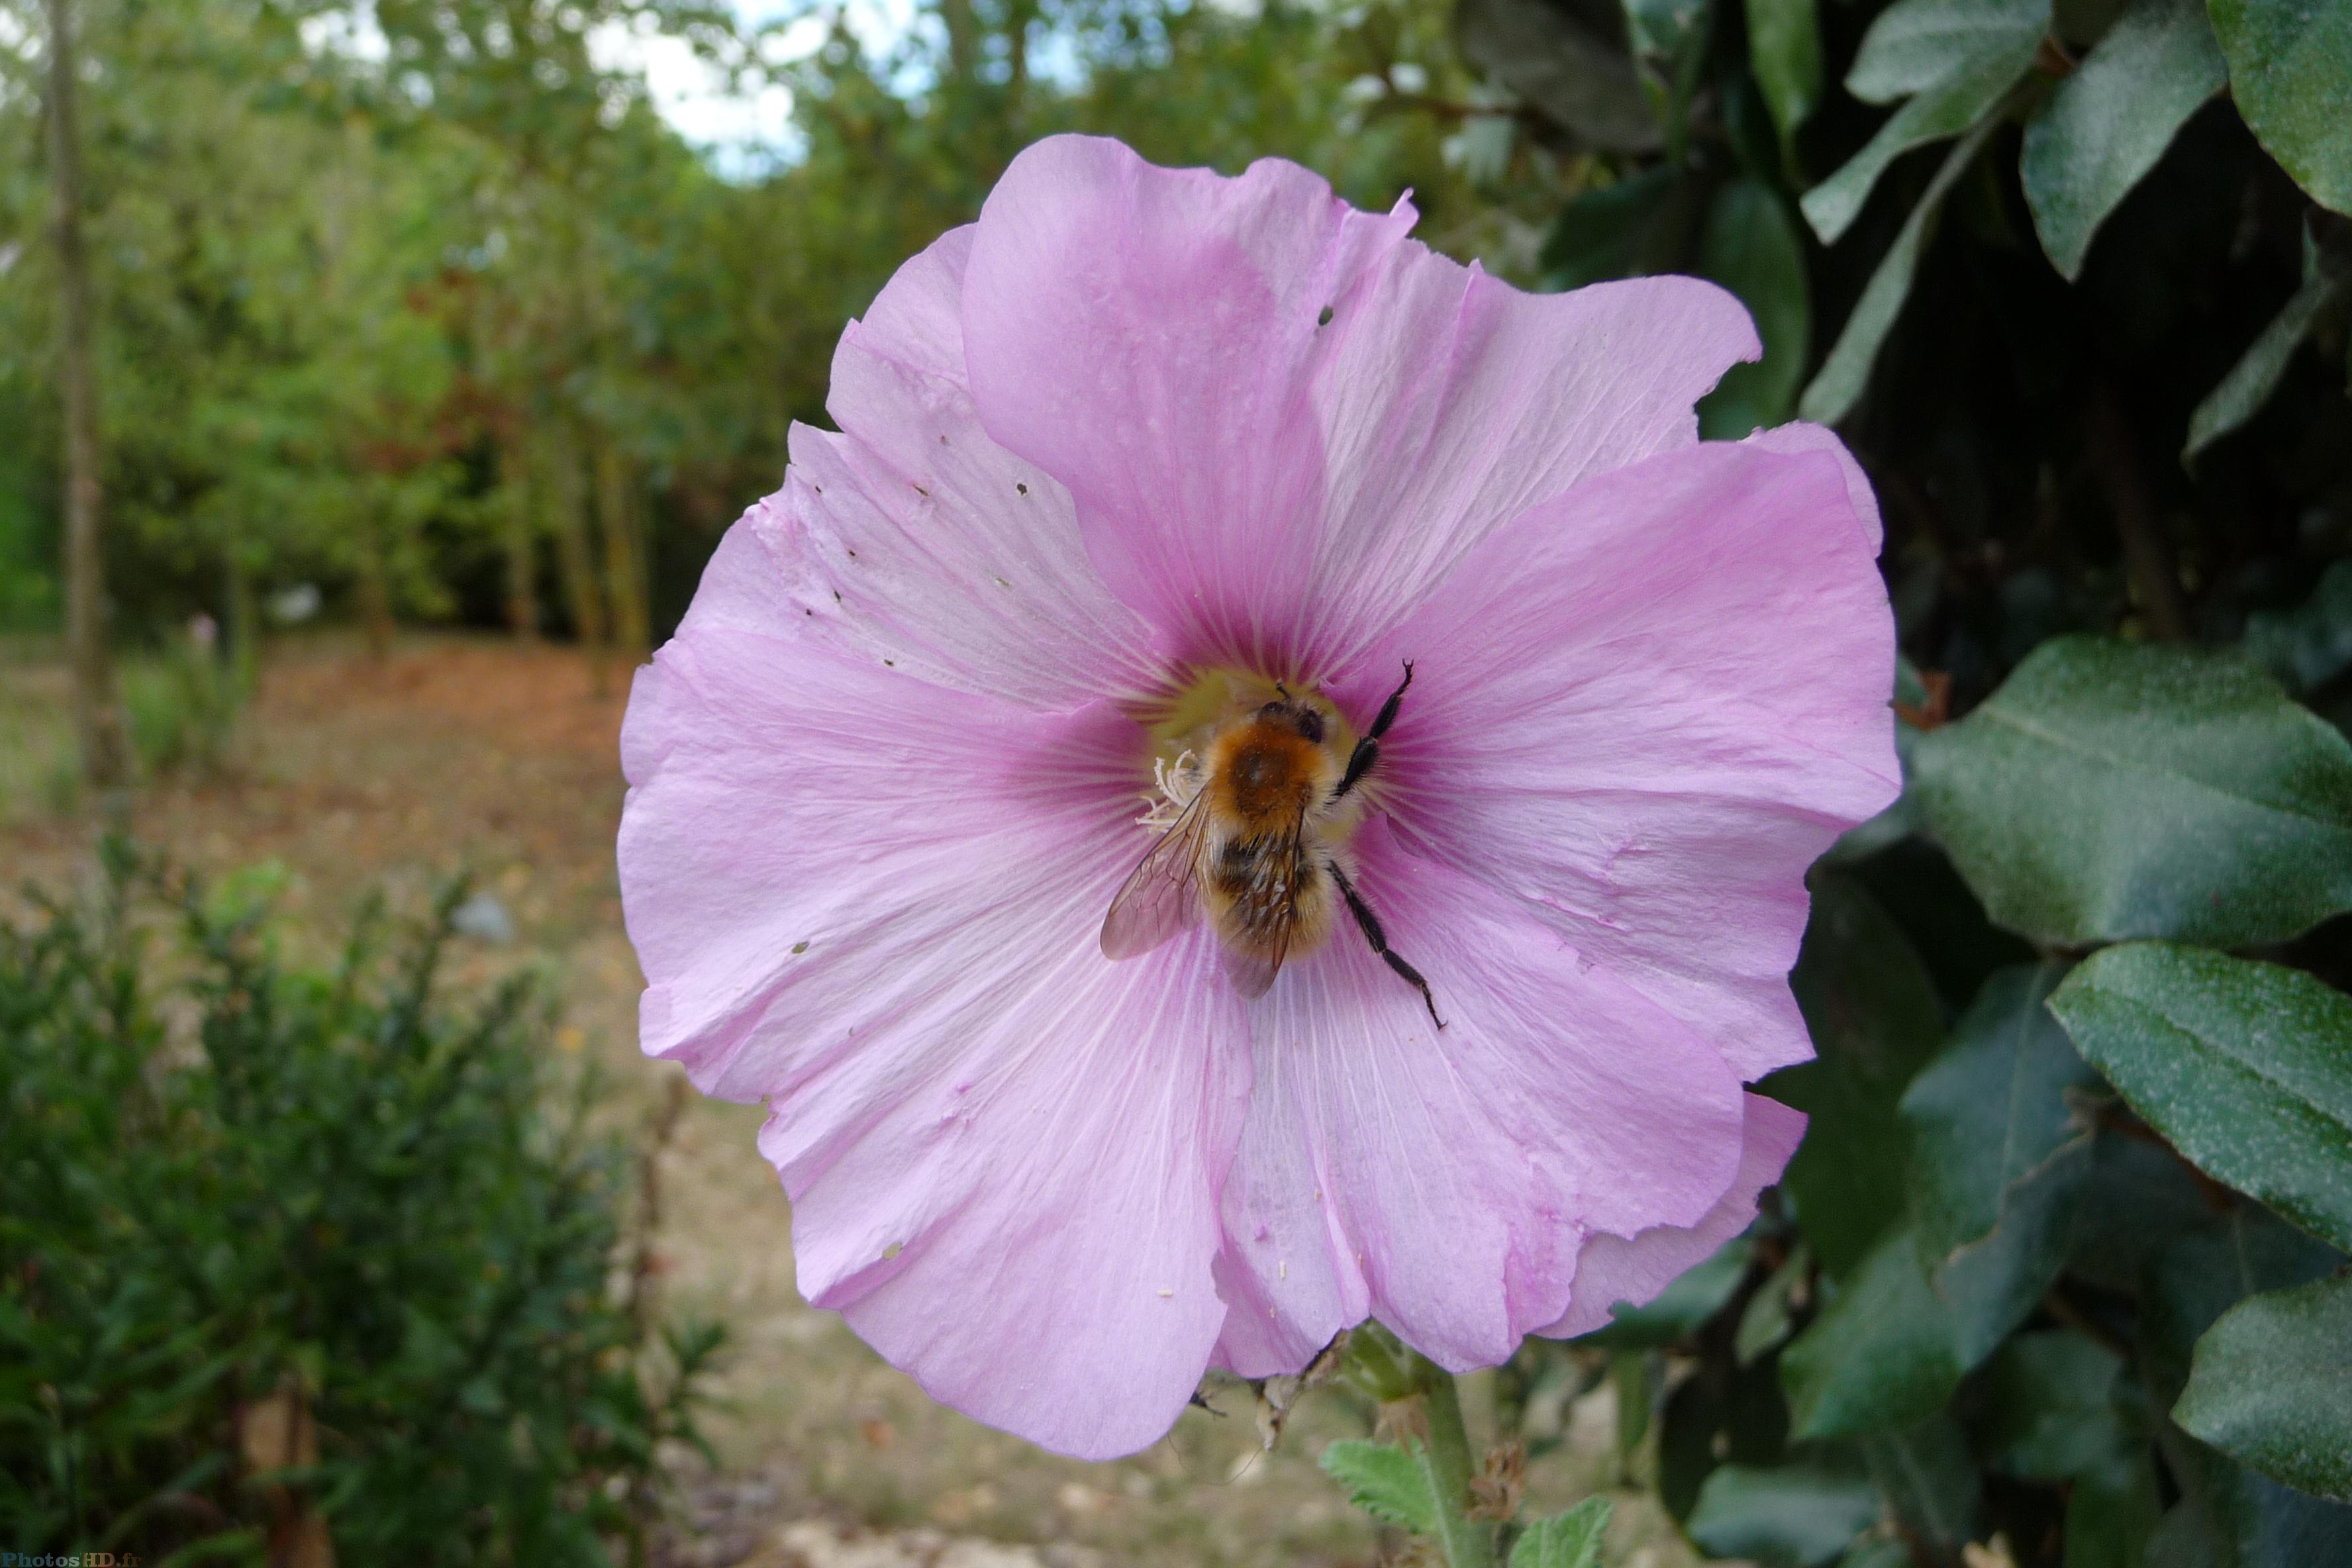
(40, 772)
(180, 708)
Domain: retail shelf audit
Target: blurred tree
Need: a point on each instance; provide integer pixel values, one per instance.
(97, 724)
(424, 303)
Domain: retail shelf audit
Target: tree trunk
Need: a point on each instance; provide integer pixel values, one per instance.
(521, 539)
(963, 40)
(375, 580)
(2150, 566)
(1019, 14)
(97, 723)
(242, 638)
(565, 485)
(624, 571)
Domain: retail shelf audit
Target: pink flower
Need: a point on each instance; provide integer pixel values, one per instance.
(1133, 425)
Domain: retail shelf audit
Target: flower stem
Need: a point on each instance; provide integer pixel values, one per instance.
(1445, 1458)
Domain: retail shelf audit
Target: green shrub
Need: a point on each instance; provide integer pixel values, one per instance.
(182, 707)
(233, 1190)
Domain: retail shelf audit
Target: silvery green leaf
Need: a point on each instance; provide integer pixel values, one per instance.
(2104, 126)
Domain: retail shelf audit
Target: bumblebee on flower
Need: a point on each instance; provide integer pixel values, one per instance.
(1258, 832)
(1467, 684)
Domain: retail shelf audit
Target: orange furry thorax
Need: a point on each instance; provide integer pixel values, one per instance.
(1264, 775)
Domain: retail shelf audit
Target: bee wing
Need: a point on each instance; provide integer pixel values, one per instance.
(1251, 972)
(1162, 895)
(1272, 913)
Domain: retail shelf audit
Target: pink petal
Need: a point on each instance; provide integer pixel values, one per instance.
(1643, 709)
(1053, 1182)
(925, 543)
(1614, 1268)
(1451, 403)
(1803, 438)
(1442, 1182)
(754, 581)
(873, 901)
(1265, 487)
(1142, 334)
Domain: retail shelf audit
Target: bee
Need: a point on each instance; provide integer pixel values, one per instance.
(1262, 818)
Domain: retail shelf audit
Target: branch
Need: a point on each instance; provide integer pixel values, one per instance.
(2149, 559)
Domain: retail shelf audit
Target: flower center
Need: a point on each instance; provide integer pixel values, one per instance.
(1221, 720)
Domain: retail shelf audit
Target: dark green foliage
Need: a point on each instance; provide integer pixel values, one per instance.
(2291, 67)
(2239, 395)
(2310, 645)
(2113, 790)
(1751, 246)
(2044, 261)
(1947, 62)
(1875, 1020)
(1791, 1516)
(2272, 1386)
(232, 1190)
(2246, 1069)
(2106, 125)
(1989, 1113)
(1928, 1479)
(1882, 1354)
(1682, 1309)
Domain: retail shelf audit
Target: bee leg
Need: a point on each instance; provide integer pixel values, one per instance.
(1369, 924)
(1368, 749)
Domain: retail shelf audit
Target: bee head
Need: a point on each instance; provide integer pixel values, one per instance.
(1303, 717)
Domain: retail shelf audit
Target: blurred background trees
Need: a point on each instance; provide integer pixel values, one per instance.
(424, 304)
(421, 303)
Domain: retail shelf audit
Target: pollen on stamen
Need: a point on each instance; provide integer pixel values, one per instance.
(1174, 785)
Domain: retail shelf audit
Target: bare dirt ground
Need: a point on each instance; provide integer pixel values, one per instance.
(502, 760)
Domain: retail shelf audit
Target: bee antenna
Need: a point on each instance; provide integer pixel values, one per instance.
(1284, 689)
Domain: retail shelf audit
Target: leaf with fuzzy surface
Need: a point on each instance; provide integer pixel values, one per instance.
(2290, 72)
(1839, 384)
(1384, 1481)
(1881, 1355)
(1570, 1540)
(1945, 107)
(1874, 1019)
(1751, 246)
(2240, 394)
(1914, 44)
(2104, 128)
(1990, 1109)
(2245, 1067)
(1789, 1516)
(2272, 1387)
(2112, 790)
(2228, 1517)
